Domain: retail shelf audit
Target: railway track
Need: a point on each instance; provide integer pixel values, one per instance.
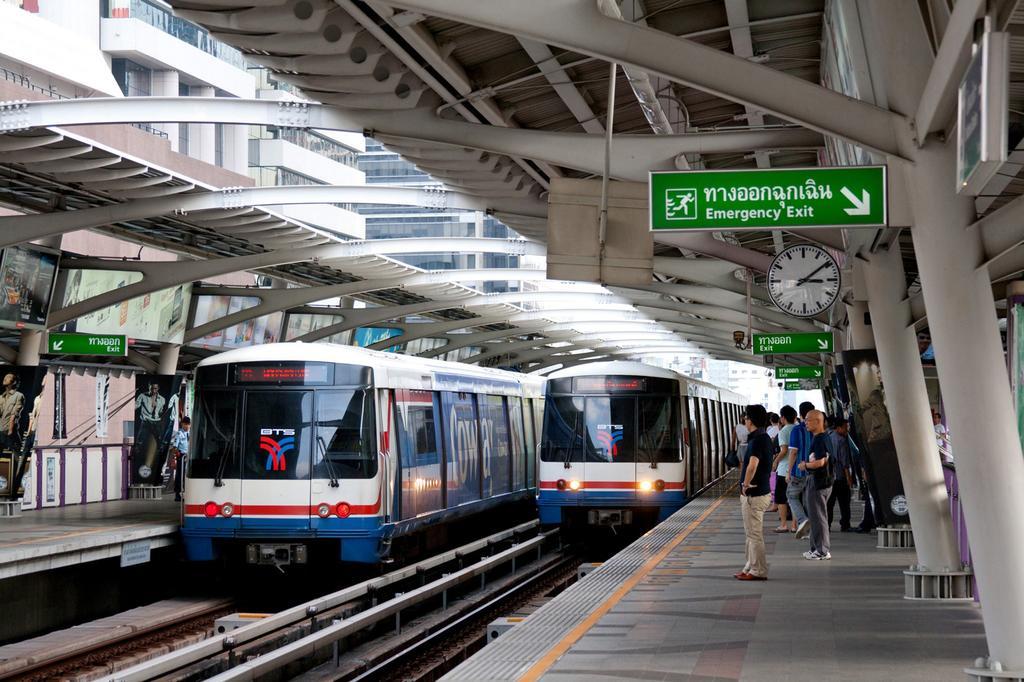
(99, 648)
(415, 602)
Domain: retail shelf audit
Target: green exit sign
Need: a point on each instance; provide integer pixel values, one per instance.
(60, 343)
(780, 344)
(799, 372)
(791, 386)
(758, 199)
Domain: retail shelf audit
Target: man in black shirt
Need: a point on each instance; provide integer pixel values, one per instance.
(755, 491)
(819, 464)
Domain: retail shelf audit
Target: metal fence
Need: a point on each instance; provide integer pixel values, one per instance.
(69, 475)
(959, 523)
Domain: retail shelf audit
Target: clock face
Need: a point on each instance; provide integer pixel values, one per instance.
(804, 280)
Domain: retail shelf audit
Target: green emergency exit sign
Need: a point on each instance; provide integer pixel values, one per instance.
(805, 342)
(61, 343)
(799, 372)
(769, 198)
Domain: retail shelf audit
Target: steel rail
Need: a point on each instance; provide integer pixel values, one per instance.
(219, 644)
(308, 645)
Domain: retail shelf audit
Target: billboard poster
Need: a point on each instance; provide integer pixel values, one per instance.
(159, 316)
(1015, 355)
(102, 405)
(873, 432)
(367, 336)
(27, 277)
(156, 409)
(20, 400)
(60, 407)
(263, 329)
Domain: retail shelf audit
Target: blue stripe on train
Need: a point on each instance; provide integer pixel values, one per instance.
(550, 503)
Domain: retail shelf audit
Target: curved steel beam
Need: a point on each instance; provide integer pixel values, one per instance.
(581, 26)
(635, 155)
(158, 275)
(24, 228)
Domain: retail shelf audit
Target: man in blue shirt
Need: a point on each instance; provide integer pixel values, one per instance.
(818, 487)
(844, 467)
(179, 454)
(799, 451)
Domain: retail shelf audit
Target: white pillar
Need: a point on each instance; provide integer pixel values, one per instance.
(202, 136)
(976, 391)
(165, 84)
(236, 149)
(906, 399)
(28, 348)
(167, 364)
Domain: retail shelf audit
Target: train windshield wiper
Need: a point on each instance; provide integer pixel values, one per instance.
(327, 460)
(225, 455)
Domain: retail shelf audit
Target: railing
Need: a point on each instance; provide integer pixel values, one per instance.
(60, 476)
(24, 81)
(959, 523)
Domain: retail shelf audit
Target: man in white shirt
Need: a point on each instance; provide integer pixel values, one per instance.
(942, 437)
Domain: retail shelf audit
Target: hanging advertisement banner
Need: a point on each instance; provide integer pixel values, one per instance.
(873, 431)
(156, 404)
(21, 388)
(259, 330)
(27, 276)
(159, 316)
(102, 405)
(60, 407)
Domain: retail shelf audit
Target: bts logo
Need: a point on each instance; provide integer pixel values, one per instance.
(276, 447)
(610, 435)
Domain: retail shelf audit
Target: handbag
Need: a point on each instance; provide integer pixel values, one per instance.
(732, 460)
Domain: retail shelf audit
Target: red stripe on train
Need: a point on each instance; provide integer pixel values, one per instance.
(284, 509)
(612, 485)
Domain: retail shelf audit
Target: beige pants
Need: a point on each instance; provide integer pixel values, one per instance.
(753, 526)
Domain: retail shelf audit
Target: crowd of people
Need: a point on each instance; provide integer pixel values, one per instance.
(800, 467)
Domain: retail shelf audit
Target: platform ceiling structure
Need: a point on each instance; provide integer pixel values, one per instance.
(493, 106)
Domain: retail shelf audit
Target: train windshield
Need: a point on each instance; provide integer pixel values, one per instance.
(278, 430)
(612, 429)
(345, 435)
(214, 438)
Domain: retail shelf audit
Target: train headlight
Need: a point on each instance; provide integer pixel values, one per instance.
(323, 511)
(210, 509)
(645, 486)
(344, 510)
(575, 485)
(659, 485)
(560, 484)
(227, 509)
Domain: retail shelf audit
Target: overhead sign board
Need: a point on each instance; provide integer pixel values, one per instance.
(791, 386)
(60, 343)
(759, 199)
(805, 342)
(799, 372)
(982, 114)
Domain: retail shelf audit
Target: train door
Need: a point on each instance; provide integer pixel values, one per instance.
(609, 462)
(692, 447)
(276, 446)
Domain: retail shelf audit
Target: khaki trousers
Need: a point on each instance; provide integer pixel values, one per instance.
(753, 526)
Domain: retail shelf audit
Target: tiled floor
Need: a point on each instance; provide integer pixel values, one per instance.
(34, 540)
(845, 619)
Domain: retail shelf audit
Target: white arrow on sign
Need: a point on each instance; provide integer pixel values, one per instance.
(823, 344)
(817, 372)
(58, 345)
(861, 206)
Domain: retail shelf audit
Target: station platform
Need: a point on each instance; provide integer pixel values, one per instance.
(47, 539)
(668, 608)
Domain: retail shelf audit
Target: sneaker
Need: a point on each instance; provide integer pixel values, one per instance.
(803, 530)
(825, 557)
(811, 556)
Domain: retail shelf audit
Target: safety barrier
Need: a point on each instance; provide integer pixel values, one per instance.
(63, 476)
(959, 523)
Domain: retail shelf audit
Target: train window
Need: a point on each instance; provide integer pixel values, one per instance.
(277, 435)
(611, 429)
(420, 447)
(532, 417)
(214, 438)
(495, 444)
(658, 437)
(345, 435)
(520, 451)
(461, 447)
(563, 430)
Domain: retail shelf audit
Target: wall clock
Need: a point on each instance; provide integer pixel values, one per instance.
(804, 280)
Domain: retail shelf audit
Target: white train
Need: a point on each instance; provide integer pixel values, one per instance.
(303, 450)
(625, 442)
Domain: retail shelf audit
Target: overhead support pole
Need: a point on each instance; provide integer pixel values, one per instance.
(581, 26)
(938, 101)
(910, 413)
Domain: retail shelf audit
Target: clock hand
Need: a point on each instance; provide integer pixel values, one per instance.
(808, 277)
